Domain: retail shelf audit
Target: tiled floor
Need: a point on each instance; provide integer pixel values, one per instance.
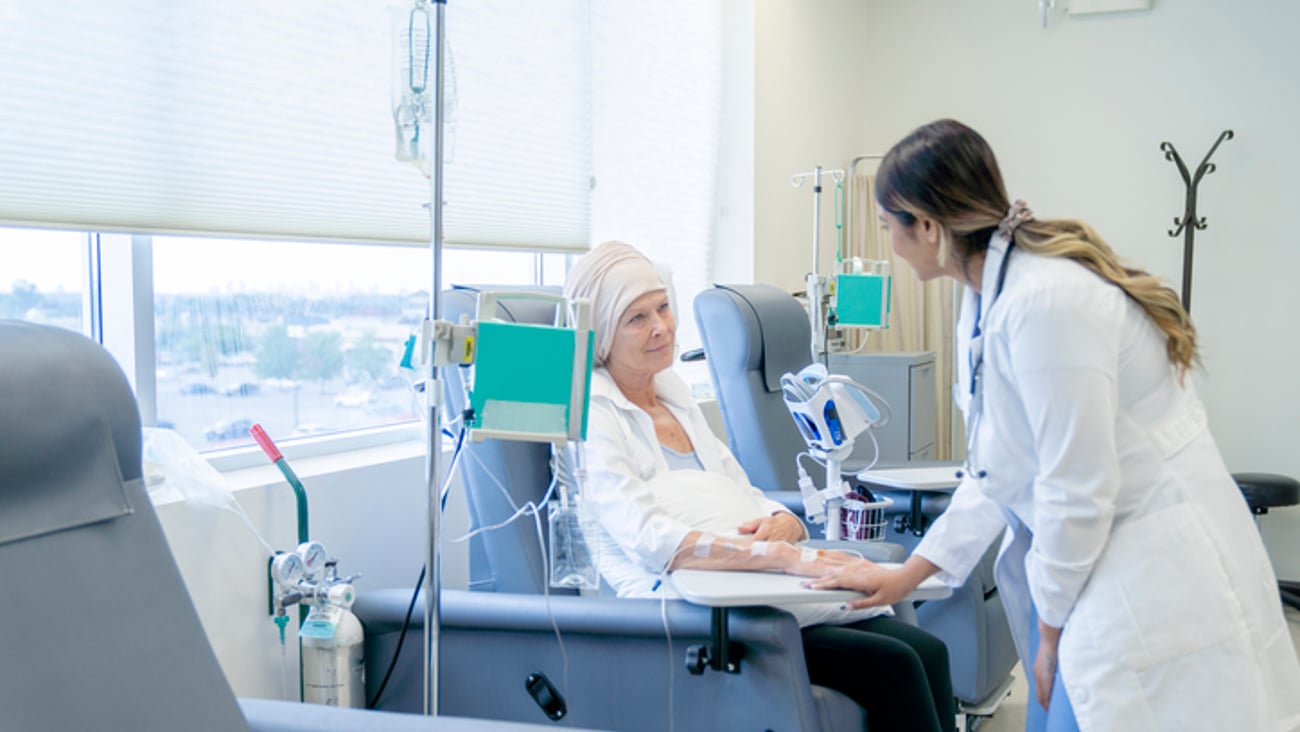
(1010, 717)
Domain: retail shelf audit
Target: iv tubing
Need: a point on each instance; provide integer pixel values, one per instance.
(817, 229)
(839, 221)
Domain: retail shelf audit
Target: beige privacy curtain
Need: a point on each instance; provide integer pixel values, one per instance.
(922, 314)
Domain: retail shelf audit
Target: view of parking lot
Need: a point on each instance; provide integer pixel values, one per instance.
(302, 338)
(355, 384)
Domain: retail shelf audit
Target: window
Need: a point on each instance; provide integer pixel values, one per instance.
(304, 339)
(220, 121)
(236, 125)
(43, 277)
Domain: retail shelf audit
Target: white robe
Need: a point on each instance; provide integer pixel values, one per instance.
(645, 510)
(1142, 547)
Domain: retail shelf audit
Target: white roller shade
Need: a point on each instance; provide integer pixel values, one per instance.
(273, 120)
(657, 80)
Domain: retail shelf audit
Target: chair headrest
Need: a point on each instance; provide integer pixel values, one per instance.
(783, 329)
(70, 438)
(463, 299)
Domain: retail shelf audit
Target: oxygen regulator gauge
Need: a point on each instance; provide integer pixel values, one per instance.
(314, 558)
(287, 569)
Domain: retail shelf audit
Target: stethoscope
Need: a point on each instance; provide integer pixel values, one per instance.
(975, 409)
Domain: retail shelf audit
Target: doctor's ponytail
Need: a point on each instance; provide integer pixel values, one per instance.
(1077, 241)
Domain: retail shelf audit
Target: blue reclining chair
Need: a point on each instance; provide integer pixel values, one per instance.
(620, 662)
(102, 634)
(753, 334)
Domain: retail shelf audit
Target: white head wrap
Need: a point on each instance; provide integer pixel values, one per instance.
(611, 276)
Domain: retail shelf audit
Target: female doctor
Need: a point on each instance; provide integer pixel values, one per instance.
(1137, 588)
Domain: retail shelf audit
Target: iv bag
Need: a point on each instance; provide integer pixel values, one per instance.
(573, 557)
(413, 86)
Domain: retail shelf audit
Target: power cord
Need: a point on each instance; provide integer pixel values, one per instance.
(546, 594)
(401, 637)
(410, 609)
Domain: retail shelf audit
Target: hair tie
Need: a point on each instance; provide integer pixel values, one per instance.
(1018, 214)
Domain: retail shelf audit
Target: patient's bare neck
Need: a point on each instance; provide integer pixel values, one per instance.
(638, 387)
(642, 395)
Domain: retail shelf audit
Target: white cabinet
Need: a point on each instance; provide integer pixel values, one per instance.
(906, 381)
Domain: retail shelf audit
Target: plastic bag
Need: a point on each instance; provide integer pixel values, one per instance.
(175, 471)
(574, 561)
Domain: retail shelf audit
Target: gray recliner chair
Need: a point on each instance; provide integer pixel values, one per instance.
(623, 655)
(102, 634)
(753, 334)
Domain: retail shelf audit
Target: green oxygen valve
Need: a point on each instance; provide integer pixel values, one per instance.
(281, 620)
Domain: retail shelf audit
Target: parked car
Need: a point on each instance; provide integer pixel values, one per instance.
(353, 398)
(310, 428)
(243, 389)
(227, 429)
(391, 411)
(196, 388)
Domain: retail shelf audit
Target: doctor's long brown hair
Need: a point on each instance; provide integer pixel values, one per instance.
(947, 172)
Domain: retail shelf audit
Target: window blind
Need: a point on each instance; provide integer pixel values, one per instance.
(273, 120)
(657, 82)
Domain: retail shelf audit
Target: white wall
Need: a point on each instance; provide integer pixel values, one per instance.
(1076, 113)
(807, 112)
(367, 508)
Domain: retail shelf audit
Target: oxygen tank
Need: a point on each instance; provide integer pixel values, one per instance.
(333, 667)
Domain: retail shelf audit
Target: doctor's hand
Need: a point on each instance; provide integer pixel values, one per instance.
(779, 526)
(881, 585)
(1049, 639)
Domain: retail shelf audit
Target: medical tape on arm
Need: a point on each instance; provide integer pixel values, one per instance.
(758, 549)
(703, 544)
(807, 555)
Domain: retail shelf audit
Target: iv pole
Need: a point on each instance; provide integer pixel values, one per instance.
(815, 285)
(433, 390)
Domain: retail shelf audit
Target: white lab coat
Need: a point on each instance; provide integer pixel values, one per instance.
(645, 510)
(1142, 546)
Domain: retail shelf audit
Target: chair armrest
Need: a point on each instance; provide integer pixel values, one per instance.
(264, 715)
(382, 612)
(493, 640)
(876, 551)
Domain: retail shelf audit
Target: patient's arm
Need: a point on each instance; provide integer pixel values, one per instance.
(705, 551)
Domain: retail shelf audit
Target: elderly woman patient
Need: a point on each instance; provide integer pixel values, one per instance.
(668, 494)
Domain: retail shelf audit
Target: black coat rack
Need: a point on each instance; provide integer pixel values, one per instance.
(1189, 223)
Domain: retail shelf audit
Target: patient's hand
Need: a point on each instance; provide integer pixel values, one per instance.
(882, 586)
(777, 527)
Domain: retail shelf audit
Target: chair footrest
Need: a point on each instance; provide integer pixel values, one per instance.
(989, 704)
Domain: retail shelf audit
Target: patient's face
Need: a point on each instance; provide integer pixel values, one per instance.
(644, 337)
